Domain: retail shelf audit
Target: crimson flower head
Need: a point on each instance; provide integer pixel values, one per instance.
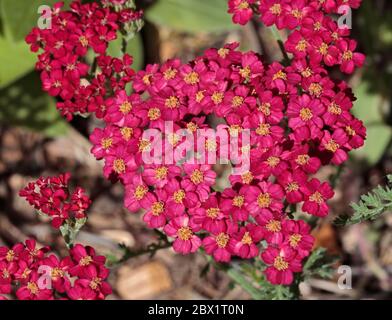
(31, 273)
(51, 196)
(241, 10)
(282, 263)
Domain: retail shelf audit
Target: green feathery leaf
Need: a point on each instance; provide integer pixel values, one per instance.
(370, 206)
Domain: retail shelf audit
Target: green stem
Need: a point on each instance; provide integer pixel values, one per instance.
(335, 177)
(150, 249)
(124, 45)
(238, 278)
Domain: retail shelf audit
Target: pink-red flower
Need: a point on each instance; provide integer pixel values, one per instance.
(183, 230)
(283, 263)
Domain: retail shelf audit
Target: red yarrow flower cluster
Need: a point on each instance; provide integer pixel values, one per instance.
(292, 136)
(32, 273)
(52, 196)
(299, 119)
(315, 34)
(66, 71)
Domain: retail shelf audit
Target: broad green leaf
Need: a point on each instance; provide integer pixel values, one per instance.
(378, 137)
(367, 108)
(23, 103)
(134, 48)
(191, 15)
(20, 16)
(16, 61)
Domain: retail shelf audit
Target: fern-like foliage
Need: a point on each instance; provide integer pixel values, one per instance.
(371, 205)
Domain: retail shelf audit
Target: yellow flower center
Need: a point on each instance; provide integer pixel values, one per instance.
(212, 213)
(25, 273)
(280, 264)
(335, 35)
(350, 131)
(237, 101)
(315, 89)
(125, 107)
(247, 239)
(144, 145)
(172, 103)
(263, 129)
(264, 200)
(161, 173)
(276, 9)
(243, 5)
(83, 41)
(302, 159)
(348, 55)
(280, 75)
(302, 45)
(154, 114)
(10, 255)
(217, 97)
(317, 197)
(173, 138)
(169, 74)
(273, 226)
(191, 78)
(126, 133)
(185, 233)
(191, 126)
(197, 176)
(140, 192)
(199, 96)
(234, 130)
(238, 201)
(33, 288)
(295, 239)
(119, 166)
(292, 186)
(332, 146)
(307, 73)
(223, 52)
(157, 208)
(265, 108)
(305, 114)
(245, 72)
(323, 49)
(296, 13)
(57, 84)
(57, 273)
(106, 143)
(210, 145)
(146, 79)
(247, 177)
(273, 161)
(6, 274)
(179, 196)
(95, 283)
(334, 109)
(85, 261)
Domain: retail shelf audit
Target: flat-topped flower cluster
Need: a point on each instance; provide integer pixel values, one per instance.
(315, 34)
(33, 273)
(52, 197)
(299, 117)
